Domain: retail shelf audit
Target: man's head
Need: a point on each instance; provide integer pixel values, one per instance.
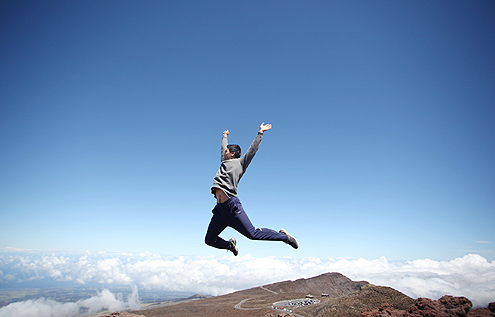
(232, 151)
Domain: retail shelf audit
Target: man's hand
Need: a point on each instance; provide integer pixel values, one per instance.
(226, 132)
(265, 127)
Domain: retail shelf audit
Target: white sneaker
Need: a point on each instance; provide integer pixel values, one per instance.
(290, 239)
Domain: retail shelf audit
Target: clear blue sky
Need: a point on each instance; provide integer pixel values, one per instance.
(383, 113)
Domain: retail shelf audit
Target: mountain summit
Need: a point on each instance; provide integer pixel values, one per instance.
(259, 301)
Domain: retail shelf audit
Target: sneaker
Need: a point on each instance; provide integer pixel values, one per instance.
(290, 239)
(233, 247)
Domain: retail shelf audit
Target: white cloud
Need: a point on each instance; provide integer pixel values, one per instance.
(43, 307)
(471, 276)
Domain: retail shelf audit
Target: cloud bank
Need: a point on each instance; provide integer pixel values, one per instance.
(471, 276)
(43, 307)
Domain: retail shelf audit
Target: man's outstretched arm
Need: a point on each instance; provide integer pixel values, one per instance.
(224, 143)
(246, 159)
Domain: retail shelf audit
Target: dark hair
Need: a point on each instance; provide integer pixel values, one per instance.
(234, 148)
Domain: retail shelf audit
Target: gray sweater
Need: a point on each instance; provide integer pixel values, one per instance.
(230, 172)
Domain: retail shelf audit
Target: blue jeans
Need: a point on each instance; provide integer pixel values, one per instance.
(231, 214)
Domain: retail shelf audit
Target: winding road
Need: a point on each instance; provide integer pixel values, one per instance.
(239, 305)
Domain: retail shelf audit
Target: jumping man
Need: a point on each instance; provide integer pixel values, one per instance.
(228, 211)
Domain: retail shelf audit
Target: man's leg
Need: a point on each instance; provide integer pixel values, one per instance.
(216, 226)
(240, 222)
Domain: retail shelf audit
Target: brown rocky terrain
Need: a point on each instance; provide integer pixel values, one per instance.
(444, 307)
(447, 306)
(335, 294)
(368, 297)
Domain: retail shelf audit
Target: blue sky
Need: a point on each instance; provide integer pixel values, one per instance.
(112, 112)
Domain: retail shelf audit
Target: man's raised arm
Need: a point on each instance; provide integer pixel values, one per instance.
(225, 142)
(248, 156)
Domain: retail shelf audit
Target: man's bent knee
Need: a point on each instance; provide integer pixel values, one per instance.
(209, 240)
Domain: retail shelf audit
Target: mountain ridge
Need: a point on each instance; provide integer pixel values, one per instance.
(329, 294)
